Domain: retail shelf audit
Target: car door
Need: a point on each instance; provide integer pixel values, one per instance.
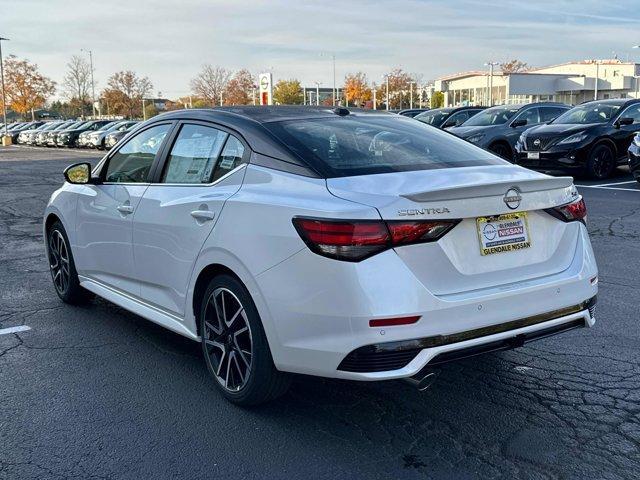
(104, 231)
(623, 134)
(203, 167)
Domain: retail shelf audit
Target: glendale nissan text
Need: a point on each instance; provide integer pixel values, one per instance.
(334, 242)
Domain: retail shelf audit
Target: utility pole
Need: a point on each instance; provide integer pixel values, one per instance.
(93, 83)
(335, 91)
(144, 111)
(4, 99)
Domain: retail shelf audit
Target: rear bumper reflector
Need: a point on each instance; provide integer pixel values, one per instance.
(392, 322)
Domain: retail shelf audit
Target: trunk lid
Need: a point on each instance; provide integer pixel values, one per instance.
(455, 264)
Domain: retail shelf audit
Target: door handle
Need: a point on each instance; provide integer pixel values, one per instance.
(126, 209)
(203, 215)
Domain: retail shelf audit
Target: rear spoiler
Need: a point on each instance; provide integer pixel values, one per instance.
(491, 190)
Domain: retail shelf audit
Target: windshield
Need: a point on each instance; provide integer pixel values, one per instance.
(363, 145)
(434, 117)
(592, 112)
(492, 116)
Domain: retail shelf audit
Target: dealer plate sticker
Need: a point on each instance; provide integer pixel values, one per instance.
(503, 233)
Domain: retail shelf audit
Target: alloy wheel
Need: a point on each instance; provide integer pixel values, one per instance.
(602, 162)
(59, 261)
(227, 338)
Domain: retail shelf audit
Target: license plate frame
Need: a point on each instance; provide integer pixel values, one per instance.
(533, 155)
(513, 227)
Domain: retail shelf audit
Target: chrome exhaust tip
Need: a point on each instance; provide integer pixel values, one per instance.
(422, 382)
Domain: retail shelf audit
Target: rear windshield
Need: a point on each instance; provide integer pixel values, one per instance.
(492, 116)
(434, 117)
(364, 145)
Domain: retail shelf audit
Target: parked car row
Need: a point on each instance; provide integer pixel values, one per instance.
(592, 138)
(100, 134)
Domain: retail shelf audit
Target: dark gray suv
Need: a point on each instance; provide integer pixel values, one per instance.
(498, 128)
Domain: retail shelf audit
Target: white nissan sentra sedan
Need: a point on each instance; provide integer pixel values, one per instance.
(331, 242)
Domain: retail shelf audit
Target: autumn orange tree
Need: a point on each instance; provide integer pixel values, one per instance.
(26, 89)
(356, 89)
(239, 89)
(124, 93)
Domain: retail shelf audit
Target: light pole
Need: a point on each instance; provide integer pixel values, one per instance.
(317, 93)
(386, 77)
(637, 78)
(93, 83)
(595, 88)
(4, 101)
(490, 93)
(411, 94)
(144, 110)
(375, 107)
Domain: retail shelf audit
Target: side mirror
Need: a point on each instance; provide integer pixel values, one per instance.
(623, 121)
(78, 173)
(520, 122)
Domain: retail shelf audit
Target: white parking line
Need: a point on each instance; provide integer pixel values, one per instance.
(616, 183)
(609, 188)
(19, 328)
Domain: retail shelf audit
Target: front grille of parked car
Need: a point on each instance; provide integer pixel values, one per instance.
(539, 143)
(387, 356)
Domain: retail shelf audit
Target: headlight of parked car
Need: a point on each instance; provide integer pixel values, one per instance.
(575, 138)
(636, 140)
(475, 138)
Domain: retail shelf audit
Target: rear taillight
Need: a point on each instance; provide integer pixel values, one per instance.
(571, 212)
(355, 240)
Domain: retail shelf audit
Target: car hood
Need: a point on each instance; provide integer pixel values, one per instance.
(465, 132)
(561, 129)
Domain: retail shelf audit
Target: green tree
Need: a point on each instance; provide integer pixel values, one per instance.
(437, 100)
(288, 92)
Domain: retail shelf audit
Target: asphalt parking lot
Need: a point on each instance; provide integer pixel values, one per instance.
(97, 392)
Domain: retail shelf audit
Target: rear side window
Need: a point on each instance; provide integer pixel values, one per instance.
(194, 154)
(231, 157)
(363, 145)
(549, 113)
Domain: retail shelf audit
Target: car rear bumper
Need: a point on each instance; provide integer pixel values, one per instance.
(322, 318)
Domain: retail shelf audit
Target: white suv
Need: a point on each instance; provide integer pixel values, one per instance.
(347, 244)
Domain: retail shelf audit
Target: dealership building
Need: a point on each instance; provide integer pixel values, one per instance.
(572, 83)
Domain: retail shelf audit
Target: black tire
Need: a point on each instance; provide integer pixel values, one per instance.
(63, 267)
(502, 150)
(251, 378)
(601, 162)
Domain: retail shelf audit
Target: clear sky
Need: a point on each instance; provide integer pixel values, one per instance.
(169, 40)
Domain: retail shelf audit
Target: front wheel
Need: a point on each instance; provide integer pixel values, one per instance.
(601, 162)
(502, 150)
(235, 346)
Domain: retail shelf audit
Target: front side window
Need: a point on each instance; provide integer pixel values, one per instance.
(492, 116)
(592, 112)
(370, 144)
(132, 162)
(530, 115)
(632, 112)
(194, 154)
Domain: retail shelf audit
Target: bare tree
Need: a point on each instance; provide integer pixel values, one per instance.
(76, 84)
(513, 66)
(125, 92)
(210, 83)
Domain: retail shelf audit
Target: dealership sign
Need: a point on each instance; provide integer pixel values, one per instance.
(266, 89)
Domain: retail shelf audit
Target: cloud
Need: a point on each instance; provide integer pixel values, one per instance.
(169, 41)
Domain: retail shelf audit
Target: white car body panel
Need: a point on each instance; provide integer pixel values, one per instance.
(316, 310)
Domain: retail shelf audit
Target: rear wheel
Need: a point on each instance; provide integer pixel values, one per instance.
(601, 162)
(502, 150)
(235, 346)
(63, 268)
